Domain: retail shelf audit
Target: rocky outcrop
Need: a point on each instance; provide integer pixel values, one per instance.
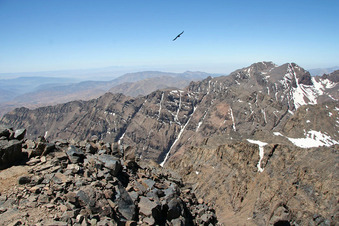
(10, 146)
(98, 183)
(296, 186)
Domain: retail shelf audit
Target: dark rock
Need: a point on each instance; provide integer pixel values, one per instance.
(87, 196)
(48, 149)
(75, 154)
(111, 163)
(10, 153)
(40, 148)
(174, 209)
(24, 180)
(146, 206)
(171, 192)
(150, 209)
(124, 202)
(4, 132)
(91, 148)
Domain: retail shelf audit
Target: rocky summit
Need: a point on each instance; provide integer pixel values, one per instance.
(95, 183)
(260, 145)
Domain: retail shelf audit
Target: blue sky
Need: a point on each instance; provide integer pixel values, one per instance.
(220, 36)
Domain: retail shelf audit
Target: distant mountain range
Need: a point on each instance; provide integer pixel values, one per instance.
(321, 71)
(35, 92)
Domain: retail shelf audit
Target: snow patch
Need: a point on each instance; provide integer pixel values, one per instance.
(120, 139)
(261, 152)
(313, 139)
(277, 134)
(177, 139)
(235, 129)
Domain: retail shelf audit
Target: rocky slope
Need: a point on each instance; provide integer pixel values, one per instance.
(95, 183)
(288, 185)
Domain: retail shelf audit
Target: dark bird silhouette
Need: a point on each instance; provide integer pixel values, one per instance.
(178, 36)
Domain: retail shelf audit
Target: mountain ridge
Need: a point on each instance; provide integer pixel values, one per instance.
(247, 101)
(248, 143)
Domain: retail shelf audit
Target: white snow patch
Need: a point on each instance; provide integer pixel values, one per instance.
(308, 121)
(306, 94)
(235, 129)
(120, 139)
(330, 114)
(197, 172)
(277, 134)
(313, 139)
(261, 152)
(199, 124)
(46, 133)
(176, 140)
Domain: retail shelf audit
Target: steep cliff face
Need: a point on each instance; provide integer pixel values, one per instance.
(295, 185)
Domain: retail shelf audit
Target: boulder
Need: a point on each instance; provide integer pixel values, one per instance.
(110, 162)
(151, 209)
(174, 209)
(75, 154)
(124, 202)
(4, 131)
(24, 180)
(19, 134)
(10, 153)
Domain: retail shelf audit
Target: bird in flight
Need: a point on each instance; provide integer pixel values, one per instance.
(178, 36)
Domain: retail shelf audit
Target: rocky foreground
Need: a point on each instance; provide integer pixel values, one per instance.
(90, 183)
